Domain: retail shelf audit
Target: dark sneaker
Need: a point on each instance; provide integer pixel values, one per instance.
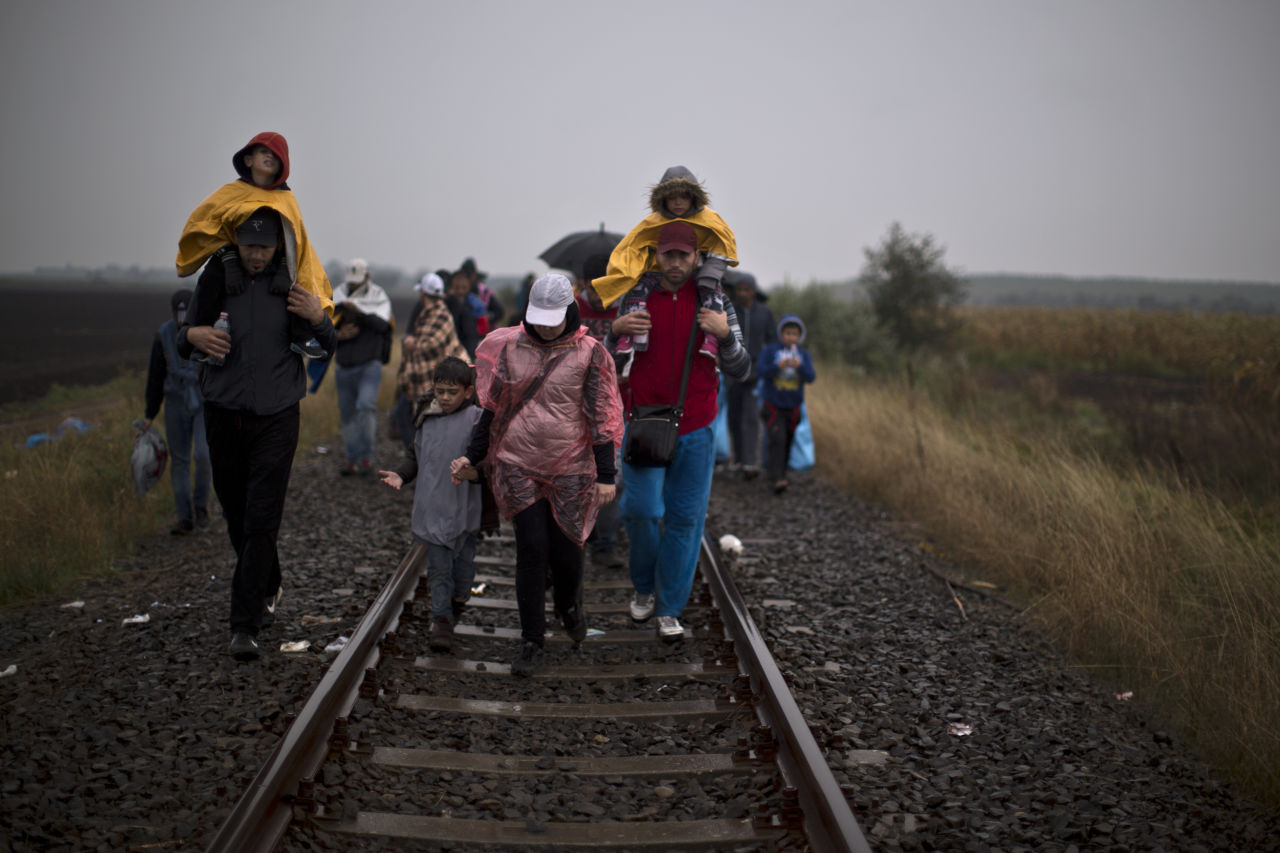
(458, 607)
(202, 517)
(529, 659)
(244, 647)
(669, 629)
(366, 468)
(750, 472)
(274, 601)
(349, 469)
(182, 528)
(574, 621)
(441, 635)
(311, 349)
(608, 558)
(779, 487)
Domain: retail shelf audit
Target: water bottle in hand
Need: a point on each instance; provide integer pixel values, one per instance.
(223, 325)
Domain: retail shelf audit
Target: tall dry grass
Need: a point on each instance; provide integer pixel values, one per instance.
(1155, 587)
(68, 509)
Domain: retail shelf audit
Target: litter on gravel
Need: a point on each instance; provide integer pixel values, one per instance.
(297, 646)
(140, 619)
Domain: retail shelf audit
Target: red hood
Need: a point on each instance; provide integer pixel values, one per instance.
(278, 145)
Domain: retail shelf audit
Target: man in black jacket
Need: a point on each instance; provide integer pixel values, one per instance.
(363, 320)
(251, 405)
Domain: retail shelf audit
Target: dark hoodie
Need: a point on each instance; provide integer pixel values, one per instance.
(278, 145)
(677, 181)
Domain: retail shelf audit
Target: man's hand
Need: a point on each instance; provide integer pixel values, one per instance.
(635, 323)
(461, 469)
(714, 323)
(605, 493)
(210, 341)
(305, 304)
(392, 479)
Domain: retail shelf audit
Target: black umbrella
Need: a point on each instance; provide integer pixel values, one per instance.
(571, 252)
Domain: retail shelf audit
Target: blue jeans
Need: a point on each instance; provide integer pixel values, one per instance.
(450, 574)
(665, 510)
(358, 407)
(185, 433)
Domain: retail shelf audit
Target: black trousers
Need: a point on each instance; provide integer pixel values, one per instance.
(252, 456)
(779, 429)
(541, 544)
(744, 424)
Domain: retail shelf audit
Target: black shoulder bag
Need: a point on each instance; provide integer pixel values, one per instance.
(654, 429)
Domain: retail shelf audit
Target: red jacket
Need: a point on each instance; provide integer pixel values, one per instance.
(655, 374)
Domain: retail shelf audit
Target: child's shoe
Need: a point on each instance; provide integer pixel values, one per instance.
(441, 635)
(710, 346)
(310, 348)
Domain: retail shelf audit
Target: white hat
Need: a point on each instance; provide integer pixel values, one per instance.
(356, 271)
(548, 299)
(431, 284)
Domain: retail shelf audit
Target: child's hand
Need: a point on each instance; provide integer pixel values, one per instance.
(392, 479)
(468, 472)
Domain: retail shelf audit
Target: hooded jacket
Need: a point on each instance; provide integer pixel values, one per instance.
(785, 390)
(213, 223)
(637, 253)
(442, 513)
(553, 402)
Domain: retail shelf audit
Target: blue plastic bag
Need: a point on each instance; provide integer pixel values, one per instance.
(720, 425)
(801, 458)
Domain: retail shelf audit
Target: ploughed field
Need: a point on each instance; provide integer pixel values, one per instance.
(83, 333)
(955, 730)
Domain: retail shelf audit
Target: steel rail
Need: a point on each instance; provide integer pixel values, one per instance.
(829, 824)
(261, 817)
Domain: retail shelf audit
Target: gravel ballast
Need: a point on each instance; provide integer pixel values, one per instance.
(955, 732)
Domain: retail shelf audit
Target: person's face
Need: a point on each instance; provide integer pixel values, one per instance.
(255, 258)
(790, 336)
(459, 284)
(262, 161)
(676, 265)
(549, 333)
(679, 205)
(744, 294)
(594, 299)
(451, 395)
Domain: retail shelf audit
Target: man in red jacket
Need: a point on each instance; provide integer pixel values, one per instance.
(664, 508)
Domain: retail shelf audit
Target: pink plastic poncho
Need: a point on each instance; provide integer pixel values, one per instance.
(551, 403)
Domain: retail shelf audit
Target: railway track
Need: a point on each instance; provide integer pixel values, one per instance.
(620, 744)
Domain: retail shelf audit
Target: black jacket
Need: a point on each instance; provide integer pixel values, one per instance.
(261, 374)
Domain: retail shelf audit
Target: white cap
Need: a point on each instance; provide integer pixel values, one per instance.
(356, 271)
(548, 299)
(431, 284)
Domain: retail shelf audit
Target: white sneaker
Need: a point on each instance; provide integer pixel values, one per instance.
(274, 601)
(669, 629)
(641, 607)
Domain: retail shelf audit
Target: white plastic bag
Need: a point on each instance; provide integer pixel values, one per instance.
(148, 458)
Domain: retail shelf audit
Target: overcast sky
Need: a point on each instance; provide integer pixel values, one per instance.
(1086, 138)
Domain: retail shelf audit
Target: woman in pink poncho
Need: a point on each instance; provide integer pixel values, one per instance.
(552, 423)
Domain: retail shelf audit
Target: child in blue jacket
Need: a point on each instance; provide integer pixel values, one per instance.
(784, 367)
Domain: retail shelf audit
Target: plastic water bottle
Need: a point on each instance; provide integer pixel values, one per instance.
(787, 374)
(223, 325)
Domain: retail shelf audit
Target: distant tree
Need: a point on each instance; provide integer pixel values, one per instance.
(911, 291)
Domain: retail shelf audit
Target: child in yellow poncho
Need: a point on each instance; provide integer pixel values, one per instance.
(677, 196)
(263, 166)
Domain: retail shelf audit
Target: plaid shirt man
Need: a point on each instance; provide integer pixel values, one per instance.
(432, 339)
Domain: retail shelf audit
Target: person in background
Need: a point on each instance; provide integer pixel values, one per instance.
(462, 311)
(549, 432)
(785, 368)
(598, 319)
(431, 339)
(744, 409)
(175, 382)
(364, 322)
(446, 517)
(664, 509)
(252, 384)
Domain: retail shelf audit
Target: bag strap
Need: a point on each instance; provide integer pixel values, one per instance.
(688, 360)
